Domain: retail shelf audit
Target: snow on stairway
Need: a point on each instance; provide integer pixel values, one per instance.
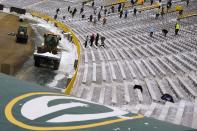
(180, 111)
(164, 111)
(150, 109)
(102, 95)
(126, 93)
(194, 121)
(104, 76)
(85, 74)
(94, 72)
(90, 93)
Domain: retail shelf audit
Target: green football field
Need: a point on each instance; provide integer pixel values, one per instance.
(26, 106)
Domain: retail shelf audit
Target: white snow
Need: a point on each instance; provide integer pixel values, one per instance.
(68, 49)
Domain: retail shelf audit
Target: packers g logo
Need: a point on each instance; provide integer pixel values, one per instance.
(52, 111)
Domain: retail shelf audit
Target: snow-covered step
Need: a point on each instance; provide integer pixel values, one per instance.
(112, 70)
(100, 55)
(114, 54)
(194, 121)
(164, 111)
(175, 88)
(126, 93)
(167, 66)
(131, 69)
(102, 95)
(84, 80)
(114, 95)
(80, 91)
(158, 67)
(121, 53)
(161, 86)
(139, 94)
(179, 113)
(140, 69)
(148, 67)
(137, 108)
(151, 90)
(86, 56)
(121, 70)
(90, 93)
(93, 56)
(151, 109)
(193, 78)
(94, 73)
(187, 86)
(107, 54)
(104, 76)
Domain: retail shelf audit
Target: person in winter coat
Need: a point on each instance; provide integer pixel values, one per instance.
(91, 17)
(165, 32)
(91, 39)
(151, 31)
(177, 28)
(97, 39)
(121, 12)
(126, 13)
(104, 21)
(102, 41)
(99, 16)
(134, 11)
(86, 41)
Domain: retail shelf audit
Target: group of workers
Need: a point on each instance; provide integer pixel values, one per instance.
(165, 31)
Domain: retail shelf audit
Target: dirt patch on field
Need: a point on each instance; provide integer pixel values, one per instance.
(12, 54)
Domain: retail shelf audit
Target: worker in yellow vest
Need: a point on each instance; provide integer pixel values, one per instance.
(177, 27)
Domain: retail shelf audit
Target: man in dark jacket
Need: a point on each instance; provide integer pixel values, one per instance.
(97, 39)
(91, 39)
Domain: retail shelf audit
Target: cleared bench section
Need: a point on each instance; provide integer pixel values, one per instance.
(126, 93)
(114, 54)
(86, 56)
(90, 93)
(103, 71)
(167, 66)
(194, 121)
(100, 55)
(139, 68)
(102, 95)
(161, 86)
(84, 80)
(93, 57)
(151, 109)
(174, 87)
(193, 78)
(121, 69)
(121, 53)
(131, 70)
(187, 87)
(94, 73)
(114, 95)
(157, 66)
(148, 67)
(107, 54)
(179, 113)
(112, 71)
(150, 89)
